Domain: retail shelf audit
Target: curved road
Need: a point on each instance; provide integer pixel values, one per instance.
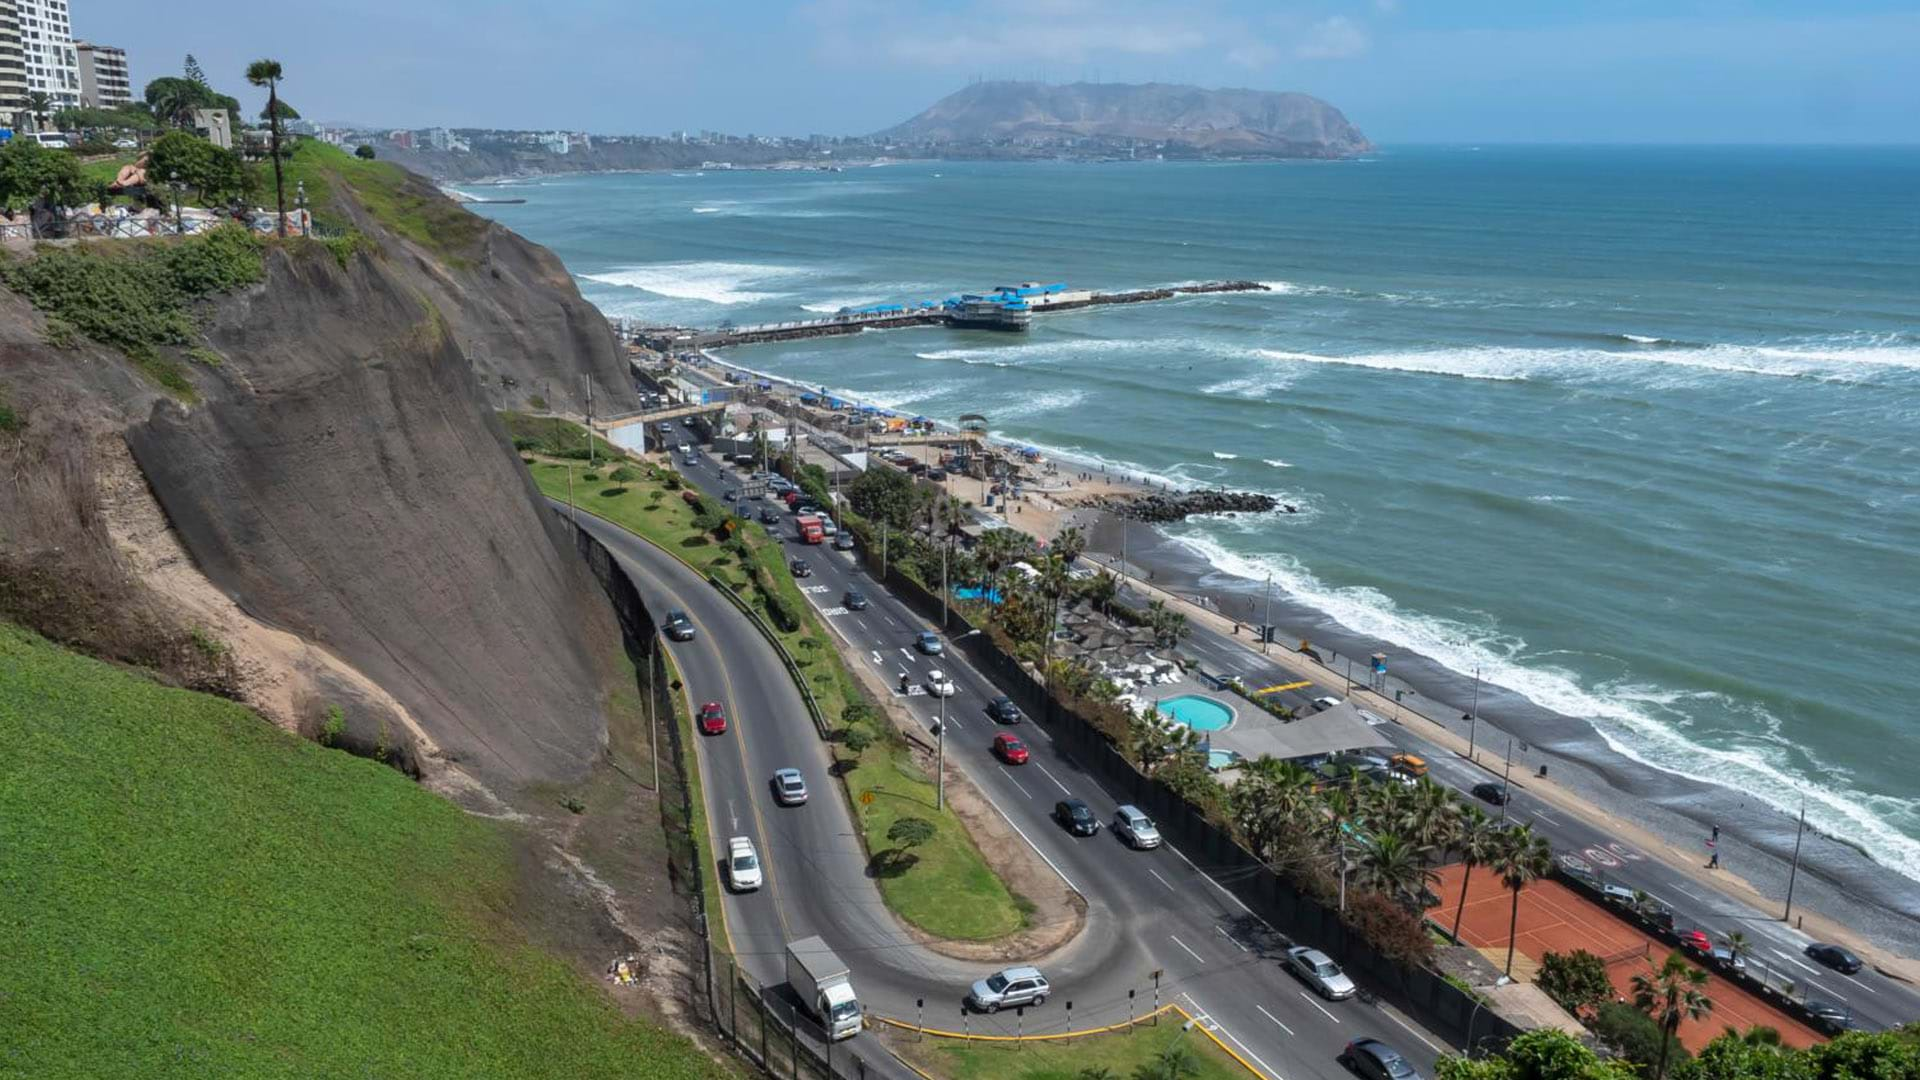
(1147, 911)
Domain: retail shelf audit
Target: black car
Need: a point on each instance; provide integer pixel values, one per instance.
(1834, 1019)
(679, 627)
(1496, 794)
(1076, 817)
(800, 568)
(1003, 710)
(855, 600)
(1376, 1060)
(767, 516)
(1835, 957)
(731, 494)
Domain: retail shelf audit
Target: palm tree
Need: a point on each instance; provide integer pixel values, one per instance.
(1670, 995)
(1520, 857)
(1102, 588)
(38, 103)
(267, 73)
(1477, 839)
(1147, 735)
(1394, 865)
(1070, 544)
(1053, 585)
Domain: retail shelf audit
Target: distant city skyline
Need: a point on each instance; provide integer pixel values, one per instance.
(1402, 70)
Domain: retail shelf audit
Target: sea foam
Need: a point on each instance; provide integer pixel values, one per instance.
(711, 282)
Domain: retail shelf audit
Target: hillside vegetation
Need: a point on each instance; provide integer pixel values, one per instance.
(190, 892)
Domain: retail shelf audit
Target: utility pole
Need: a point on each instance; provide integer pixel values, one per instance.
(1506, 781)
(940, 758)
(1266, 621)
(943, 591)
(1794, 871)
(1473, 717)
(883, 552)
(572, 511)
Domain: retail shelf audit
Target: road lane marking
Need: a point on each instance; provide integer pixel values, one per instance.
(1215, 1025)
(1183, 945)
(1411, 1030)
(1161, 880)
(1543, 817)
(1317, 1005)
(1858, 983)
(1008, 818)
(1691, 893)
(1795, 961)
(1228, 892)
(1230, 937)
(1015, 783)
(1055, 779)
(1275, 1019)
(905, 653)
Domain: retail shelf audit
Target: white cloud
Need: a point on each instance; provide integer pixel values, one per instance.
(1333, 38)
(1042, 32)
(1252, 53)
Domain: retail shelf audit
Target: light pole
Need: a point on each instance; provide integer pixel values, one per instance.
(1266, 620)
(173, 182)
(1794, 871)
(1506, 781)
(300, 204)
(1473, 716)
(940, 756)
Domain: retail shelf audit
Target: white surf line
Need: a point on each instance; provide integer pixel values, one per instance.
(1055, 779)
(1230, 937)
(1283, 1026)
(1161, 880)
(1008, 818)
(1317, 1005)
(1015, 783)
(1196, 956)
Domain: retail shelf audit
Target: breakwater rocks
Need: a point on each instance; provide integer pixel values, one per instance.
(1161, 508)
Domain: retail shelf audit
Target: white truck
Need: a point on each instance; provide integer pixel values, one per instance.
(824, 986)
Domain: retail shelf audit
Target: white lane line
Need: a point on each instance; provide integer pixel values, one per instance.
(1015, 783)
(1245, 1049)
(1858, 983)
(1055, 779)
(1230, 937)
(1223, 889)
(1008, 818)
(905, 653)
(1543, 817)
(1411, 1030)
(1795, 961)
(1317, 1005)
(1275, 1019)
(877, 661)
(1693, 894)
(1161, 880)
(1183, 945)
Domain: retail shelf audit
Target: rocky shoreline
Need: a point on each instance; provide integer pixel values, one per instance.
(1163, 508)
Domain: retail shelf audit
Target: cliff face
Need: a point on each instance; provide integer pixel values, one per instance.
(1226, 122)
(340, 476)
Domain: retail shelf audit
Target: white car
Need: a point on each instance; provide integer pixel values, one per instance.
(683, 448)
(1318, 970)
(743, 865)
(1327, 702)
(939, 685)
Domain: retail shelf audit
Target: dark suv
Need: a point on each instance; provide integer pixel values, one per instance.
(1076, 817)
(679, 627)
(1835, 957)
(1003, 710)
(1375, 1060)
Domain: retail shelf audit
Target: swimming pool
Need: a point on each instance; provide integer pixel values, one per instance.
(1198, 713)
(1221, 759)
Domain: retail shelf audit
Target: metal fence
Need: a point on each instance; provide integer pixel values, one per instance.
(85, 226)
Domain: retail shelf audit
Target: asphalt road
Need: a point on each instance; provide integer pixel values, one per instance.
(1147, 911)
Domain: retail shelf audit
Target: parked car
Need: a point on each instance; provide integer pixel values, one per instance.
(1619, 894)
(1376, 1060)
(1076, 817)
(928, 642)
(800, 568)
(1132, 825)
(679, 627)
(1696, 940)
(1831, 1018)
(1003, 710)
(1835, 957)
(713, 719)
(1727, 959)
(1010, 749)
(1496, 794)
(789, 787)
(1009, 988)
(1327, 702)
(1318, 970)
(743, 865)
(854, 600)
(939, 685)
(936, 475)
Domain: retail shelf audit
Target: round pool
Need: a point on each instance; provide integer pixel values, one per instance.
(1221, 759)
(1198, 713)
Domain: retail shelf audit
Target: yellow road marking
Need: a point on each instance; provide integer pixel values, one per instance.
(1285, 686)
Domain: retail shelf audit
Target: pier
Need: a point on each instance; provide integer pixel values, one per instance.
(894, 316)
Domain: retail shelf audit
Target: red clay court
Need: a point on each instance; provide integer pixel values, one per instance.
(1554, 918)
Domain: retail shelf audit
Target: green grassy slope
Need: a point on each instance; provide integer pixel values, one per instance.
(186, 891)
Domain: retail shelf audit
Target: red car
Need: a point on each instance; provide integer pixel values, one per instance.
(1697, 940)
(1010, 749)
(713, 718)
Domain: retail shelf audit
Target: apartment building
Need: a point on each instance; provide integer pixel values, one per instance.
(105, 82)
(13, 67)
(46, 41)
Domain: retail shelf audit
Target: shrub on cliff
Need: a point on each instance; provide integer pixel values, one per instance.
(782, 613)
(1576, 980)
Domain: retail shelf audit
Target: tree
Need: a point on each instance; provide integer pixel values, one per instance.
(363, 152)
(1635, 1037)
(1070, 544)
(1176, 1062)
(31, 174)
(910, 832)
(1395, 866)
(281, 109)
(126, 119)
(1576, 980)
(215, 173)
(1147, 737)
(1735, 1056)
(884, 495)
(1520, 857)
(39, 104)
(173, 99)
(1101, 588)
(267, 73)
(193, 71)
(1674, 993)
(1545, 1054)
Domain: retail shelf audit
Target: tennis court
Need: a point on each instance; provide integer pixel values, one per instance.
(1554, 918)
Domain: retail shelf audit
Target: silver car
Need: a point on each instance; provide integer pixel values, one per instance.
(1318, 970)
(789, 787)
(1136, 828)
(1009, 988)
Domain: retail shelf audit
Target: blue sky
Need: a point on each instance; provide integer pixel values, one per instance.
(1403, 70)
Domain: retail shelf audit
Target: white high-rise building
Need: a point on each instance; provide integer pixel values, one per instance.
(46, 37)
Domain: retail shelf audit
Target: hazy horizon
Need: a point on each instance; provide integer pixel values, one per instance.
(1404, 71)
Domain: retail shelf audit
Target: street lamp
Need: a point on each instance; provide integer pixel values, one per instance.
(940, 744)
(173, 181)
(300, 203)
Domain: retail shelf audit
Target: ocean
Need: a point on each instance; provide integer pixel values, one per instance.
(1634, 432)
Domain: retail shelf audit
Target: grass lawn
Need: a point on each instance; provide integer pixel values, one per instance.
(948, 890)
(188, 891)
(1069, 1059)
(406, 204)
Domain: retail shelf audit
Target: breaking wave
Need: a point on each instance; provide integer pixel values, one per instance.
(710, 282)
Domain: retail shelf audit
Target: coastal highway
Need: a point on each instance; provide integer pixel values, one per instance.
(1877, 1001)
(1147, 911)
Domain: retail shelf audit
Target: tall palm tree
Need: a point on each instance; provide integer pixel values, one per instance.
(1147, 735)
(38, 104)
(1520, 857)
(1053, 585)
(1394, 865)
(1102, 588)
(1672, 994)
(1070, 544)
(267, 73)
(1477, 840)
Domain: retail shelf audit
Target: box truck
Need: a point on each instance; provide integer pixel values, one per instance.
(824, 986)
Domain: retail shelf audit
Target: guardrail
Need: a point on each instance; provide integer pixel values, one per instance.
(793, 669)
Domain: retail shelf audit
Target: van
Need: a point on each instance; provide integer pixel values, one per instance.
(52, 140)
(1411, 764)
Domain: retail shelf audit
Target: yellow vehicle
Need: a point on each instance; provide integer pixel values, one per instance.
(1411, 764)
